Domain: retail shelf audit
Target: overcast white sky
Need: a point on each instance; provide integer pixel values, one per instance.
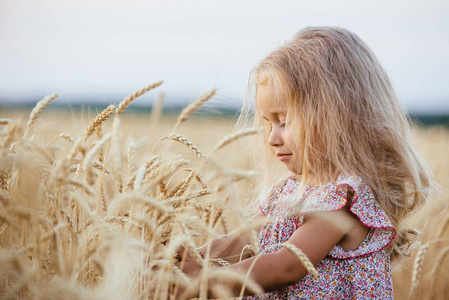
(106, 49)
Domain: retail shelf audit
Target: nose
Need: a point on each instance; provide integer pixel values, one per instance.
(275, 137)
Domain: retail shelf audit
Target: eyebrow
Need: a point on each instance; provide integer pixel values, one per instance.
(279, 112)
(279, 115)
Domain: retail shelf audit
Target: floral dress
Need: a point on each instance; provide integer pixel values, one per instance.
(357, 274)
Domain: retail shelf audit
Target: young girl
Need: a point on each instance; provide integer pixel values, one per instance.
(333, 120)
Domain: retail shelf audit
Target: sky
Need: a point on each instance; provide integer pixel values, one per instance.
(103, 50)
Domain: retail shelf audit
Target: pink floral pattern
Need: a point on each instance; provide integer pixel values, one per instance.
(358, 274)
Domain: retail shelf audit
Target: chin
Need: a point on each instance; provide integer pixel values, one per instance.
(297, 171)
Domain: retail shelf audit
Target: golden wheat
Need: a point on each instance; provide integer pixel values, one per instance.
(302, 258)
(5, 121)
(127, 101)
(417, 267)
(185, 141)
(192, 107)
(99, 119)
(236, 135)
(67, 229)
(40, 106)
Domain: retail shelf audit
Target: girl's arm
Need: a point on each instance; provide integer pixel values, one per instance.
(228, 247)
(318, 234)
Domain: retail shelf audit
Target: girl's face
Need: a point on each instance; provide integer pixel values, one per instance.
(274, 114)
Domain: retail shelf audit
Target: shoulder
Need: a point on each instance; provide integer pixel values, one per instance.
(354, 199)
(350, 192)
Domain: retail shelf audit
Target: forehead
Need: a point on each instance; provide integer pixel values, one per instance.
(268, 102)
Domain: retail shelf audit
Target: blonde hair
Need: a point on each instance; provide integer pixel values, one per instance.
(345, 119)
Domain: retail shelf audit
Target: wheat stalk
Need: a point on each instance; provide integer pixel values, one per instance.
(5, 121)
(220, 262)
(157, 110)
(4, 179)
(192, 107)
(61, 170)
(302, 258)
(195, 255)
(165, 170)
(41, 151)
(143, 200)
(11, 134)
(137, 181)
(101, 192)
(87, 164)
(82, 185)
(67, 137)
(127, 101)
(417, 266)
(131, 181)
(116, 158)
(187, 197)
(37, 110)
(131, 158)
(99, 134)
(236, 135)
(252, 251)
(182, 186)
(99, 119)
(185, 141)
(437, 264)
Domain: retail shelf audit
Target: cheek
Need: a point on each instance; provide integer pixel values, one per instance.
(293, 145)
(289, 139)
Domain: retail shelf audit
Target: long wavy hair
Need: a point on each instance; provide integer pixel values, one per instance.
(344, 118)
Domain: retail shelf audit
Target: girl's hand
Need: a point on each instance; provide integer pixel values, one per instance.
(187, 264)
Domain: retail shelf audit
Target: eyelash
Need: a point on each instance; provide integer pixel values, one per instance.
(270, 126)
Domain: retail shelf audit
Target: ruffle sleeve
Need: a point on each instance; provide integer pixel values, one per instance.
(333, 196)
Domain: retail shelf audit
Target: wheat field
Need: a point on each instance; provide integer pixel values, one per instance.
(94, 204)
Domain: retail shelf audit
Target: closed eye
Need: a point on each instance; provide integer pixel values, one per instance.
(267, 124)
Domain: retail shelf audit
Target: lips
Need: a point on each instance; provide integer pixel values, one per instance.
(283, 156)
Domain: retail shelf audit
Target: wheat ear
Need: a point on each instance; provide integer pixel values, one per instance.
(101, 192)
(131, 159)
(192, 107)
(99, 119)
(181, 186)
(302, 257)
(87, 165)
(5, 121)
(116, 150)
(236, 135)
(4, 180)
(127, 101)
(37, 110)
(99, 134)
(67, 137)
(218, 261)
(183, 140)
(10, 139)
(437, 264)
(417, 266)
